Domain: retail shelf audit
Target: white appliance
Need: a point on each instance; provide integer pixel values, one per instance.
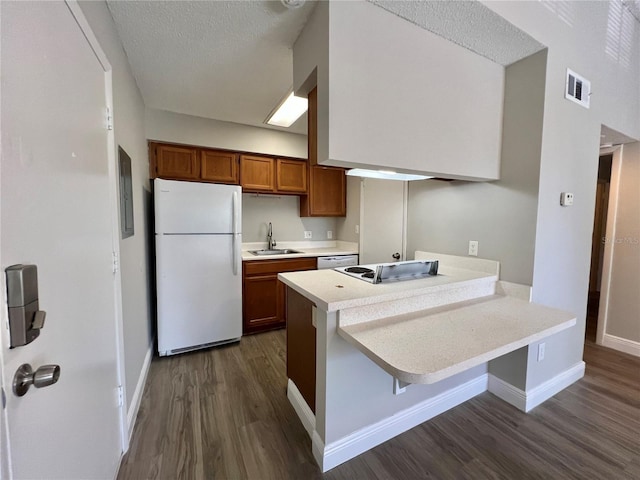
(198, 264)
(337, 261)
(392, 272)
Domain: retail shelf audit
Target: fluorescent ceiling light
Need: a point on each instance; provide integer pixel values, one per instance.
(385, 175)
(288, 112)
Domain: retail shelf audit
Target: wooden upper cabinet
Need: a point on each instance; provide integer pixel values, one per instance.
(327, 185)
(291, 176)
(257, 173)
(175, 162)
(327, 193)
(219, 166)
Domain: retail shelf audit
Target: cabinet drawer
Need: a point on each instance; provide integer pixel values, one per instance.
(261, 267)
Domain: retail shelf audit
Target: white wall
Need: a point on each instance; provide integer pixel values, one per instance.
(577, 37)
(623, 306)
(391, 93)
(134, 253)
(347, 226)
(283, 212)
(190, 130)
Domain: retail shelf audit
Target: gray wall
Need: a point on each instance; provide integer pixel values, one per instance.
(134, 254)
(205, 132)
(623, 315)
(284, 213)
(500, 215)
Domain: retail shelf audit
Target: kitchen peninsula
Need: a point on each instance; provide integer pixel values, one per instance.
(391, 356)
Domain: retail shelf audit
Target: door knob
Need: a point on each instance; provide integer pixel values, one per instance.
(43, 377)
(396, 256)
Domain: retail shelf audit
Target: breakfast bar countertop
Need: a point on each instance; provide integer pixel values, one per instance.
(430, 345)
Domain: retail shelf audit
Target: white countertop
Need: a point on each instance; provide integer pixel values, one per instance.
(306, 249)
(330, 290)
(430, 345)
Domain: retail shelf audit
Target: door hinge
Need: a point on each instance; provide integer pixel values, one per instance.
(109, 119)
(115, 262)
(120, 396)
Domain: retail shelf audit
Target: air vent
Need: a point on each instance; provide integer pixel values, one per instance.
(577, 89)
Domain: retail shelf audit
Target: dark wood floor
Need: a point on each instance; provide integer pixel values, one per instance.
(223, 413)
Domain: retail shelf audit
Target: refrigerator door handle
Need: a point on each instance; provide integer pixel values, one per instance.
(235, 233)
(235, 213)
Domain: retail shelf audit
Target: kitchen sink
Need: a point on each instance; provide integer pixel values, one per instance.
(283, 251)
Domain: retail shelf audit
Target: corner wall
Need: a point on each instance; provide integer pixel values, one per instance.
(500, 215)
(134, 253)
(588, 38)
(622, 328)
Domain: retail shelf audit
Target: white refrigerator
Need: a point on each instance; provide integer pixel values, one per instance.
(198, 264)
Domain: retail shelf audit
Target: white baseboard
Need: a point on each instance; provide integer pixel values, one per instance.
(332, 455)
(530, 399)
(507, 392)
(548, 389)
(299, 404)
(621, 344)
(132, 411)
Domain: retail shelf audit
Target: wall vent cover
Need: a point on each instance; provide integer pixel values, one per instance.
(577, 89)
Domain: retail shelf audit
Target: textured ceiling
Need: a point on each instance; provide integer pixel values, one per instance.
(469, 24)
(227, 60)
(232, 60)
(634, 7)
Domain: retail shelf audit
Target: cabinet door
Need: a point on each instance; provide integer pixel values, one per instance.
(291, 176)
(263, 307)
(327, 193)
(218, 166)
(179, 163)
(257, 173)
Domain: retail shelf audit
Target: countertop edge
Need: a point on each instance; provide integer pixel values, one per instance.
(308, 253)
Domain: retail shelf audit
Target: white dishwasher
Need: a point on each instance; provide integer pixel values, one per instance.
(337, 261)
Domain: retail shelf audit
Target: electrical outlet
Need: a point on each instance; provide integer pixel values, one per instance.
(566, 199)
(329, 234)
(307, 234)
(541, 349)
(473, 248)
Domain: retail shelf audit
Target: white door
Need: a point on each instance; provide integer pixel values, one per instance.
(383, 212)
(56, 202)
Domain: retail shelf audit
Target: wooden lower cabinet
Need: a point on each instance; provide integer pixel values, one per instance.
(301, 346)
(263, 295)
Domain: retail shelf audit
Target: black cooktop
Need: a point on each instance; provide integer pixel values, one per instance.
(359, 270)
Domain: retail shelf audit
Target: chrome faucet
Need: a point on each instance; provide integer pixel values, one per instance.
(270, 241)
